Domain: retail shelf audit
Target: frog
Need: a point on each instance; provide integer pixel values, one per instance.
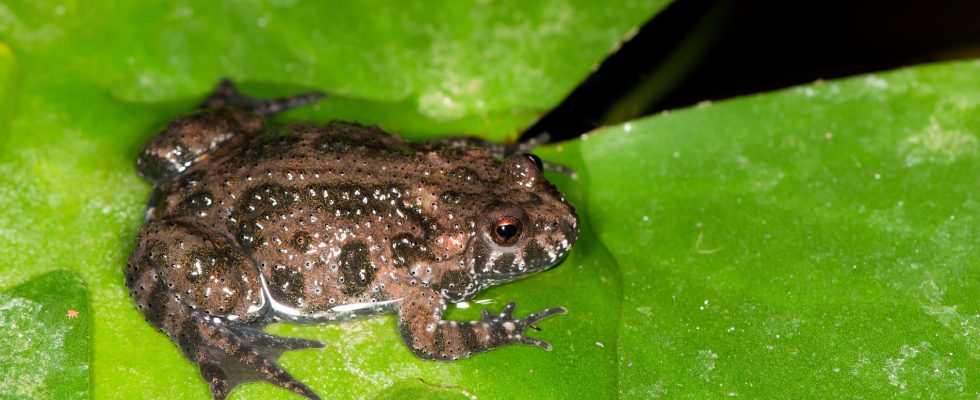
(252, 222)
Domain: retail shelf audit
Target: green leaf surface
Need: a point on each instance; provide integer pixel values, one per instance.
(818, 242)
(44, 339)
(417, 389)
(93, 80)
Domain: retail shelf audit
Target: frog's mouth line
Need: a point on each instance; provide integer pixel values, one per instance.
(495, 277)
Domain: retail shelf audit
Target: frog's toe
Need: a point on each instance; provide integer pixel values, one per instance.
(540, 315)
(530, 341)
(273, 346)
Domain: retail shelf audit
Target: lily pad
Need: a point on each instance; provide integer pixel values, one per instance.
(818, 242)
(44, 339)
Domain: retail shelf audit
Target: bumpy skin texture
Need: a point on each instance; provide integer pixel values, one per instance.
(250, 224)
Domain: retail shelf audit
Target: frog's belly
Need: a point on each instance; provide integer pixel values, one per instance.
(280, 311)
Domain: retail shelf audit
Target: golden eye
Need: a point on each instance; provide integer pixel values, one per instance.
(507, 230)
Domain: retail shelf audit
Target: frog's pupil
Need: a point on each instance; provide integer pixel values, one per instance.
(506, 231)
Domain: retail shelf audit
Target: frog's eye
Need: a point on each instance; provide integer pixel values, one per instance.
(507, 230)
(536, 160)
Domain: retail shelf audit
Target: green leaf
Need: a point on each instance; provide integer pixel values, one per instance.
(8, 88)
(416, 389)
(93, 80)
(818, 242)
(44, 339)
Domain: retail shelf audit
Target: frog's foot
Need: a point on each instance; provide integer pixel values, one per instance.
(229, 355)
(505, 329)
(227, 95)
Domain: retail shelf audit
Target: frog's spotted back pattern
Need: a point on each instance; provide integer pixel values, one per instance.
(250, 224)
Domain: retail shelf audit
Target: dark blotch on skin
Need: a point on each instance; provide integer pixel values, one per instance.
(156, 302)
(223, 263)
(464, 174)
(439, 341)
(191, 179)
(347, 198)
(189, 338)
(455, 282)
(470, 342)
(354, 138)
(195, 203)
(406, 248)
(481, 255)
(266, 147)
(263, 202)
(354, 258)
(301, 242)
(457, 278)
(155, 168)
(450, 198)
(342, 144)
(291, 278)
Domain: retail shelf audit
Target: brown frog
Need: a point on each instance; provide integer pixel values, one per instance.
(251, 224)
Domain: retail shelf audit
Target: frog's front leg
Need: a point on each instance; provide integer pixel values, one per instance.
(197, 287)
(431, 337)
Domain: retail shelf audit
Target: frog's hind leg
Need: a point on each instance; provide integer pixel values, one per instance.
(200, 291)
(225, 119)
(227, 95)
